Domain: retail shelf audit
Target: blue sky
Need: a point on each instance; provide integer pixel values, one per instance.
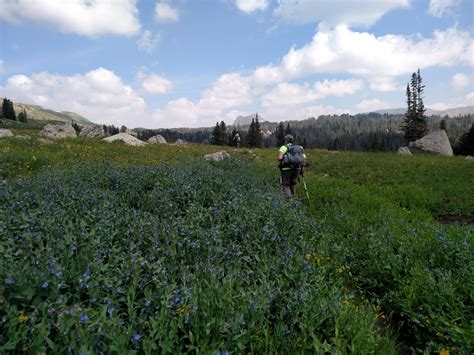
(173, 63)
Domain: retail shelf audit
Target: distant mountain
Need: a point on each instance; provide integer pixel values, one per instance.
(38, 113)
(246, 120)
(451, 112)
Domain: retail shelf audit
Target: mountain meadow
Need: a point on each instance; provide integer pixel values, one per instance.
(107, 248)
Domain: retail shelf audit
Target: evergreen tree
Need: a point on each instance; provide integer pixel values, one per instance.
(280, 134)
(251, 142)
(414, 125)
(222, 134)
(123, 129)
(216, 134)
(288, 129)
(7, 110)
(466, 143)
(258, 133)
(76, 127)
(23, 116)
(442, 124)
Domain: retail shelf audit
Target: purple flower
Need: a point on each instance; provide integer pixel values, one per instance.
(84, 318)
(9, 281)
(136, 337)
(45, 284)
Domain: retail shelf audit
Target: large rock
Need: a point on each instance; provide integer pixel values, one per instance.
(92, 132)
(436, 142)
(180, 141)
(4, 133)
(469, 158)
(158, 139)
(126, 138)
(403, 151)
(217, 156)
(58, 131)
(25, 137)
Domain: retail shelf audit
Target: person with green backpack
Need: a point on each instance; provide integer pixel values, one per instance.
(292, 162)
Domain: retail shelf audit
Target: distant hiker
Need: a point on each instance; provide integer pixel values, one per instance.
(292, 163)
(237, 140)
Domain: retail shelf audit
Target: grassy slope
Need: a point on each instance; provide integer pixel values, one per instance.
(39, 113)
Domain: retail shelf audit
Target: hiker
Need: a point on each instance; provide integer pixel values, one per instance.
(237, 140)
(292, 163)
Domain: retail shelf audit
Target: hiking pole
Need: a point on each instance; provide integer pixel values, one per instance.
(306, 189)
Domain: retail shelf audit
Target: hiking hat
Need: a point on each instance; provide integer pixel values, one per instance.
(289, 138)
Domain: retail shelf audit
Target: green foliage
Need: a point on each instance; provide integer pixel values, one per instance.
(254, 136)
(23, 116)
(466, 143)
(280, 134)
(219, 134)
(415, 126)
(8, 112)
(175, 258)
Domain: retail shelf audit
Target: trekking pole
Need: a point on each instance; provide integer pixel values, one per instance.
(306, 189)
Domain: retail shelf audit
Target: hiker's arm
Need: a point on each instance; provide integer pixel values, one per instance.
(280, 156)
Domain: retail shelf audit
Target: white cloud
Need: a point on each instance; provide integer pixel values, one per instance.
(341, 50)
(286, 94)
(384, 84)
(438, 7)
(249, 6)
(154, 84)
(99, 95)
(2, 66)
(147, 42)
(460, 81)
(164, 12)
(335, 12)
(466, 100)
(372, 105)
(84, 17)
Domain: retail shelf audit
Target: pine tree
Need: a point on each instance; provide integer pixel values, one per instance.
(414, 125)
(7, 110)
(258, 133)
(466, 143)
(288, 129)
(123, 129)
(216, 134)
(280, 134)
(222, 134)
(23, 116)
(442, 124)
(251, 142)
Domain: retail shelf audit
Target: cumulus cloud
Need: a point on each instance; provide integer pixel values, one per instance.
(154, 84)
(466, 100)
(249, 6)
(84, 17)
(335, 12)
(438, 8)
(2, 66)
(341, 50)
(460, 81)
(372, 105)
(99, 95)
(147, 42)
(164, 12)
(287, 94)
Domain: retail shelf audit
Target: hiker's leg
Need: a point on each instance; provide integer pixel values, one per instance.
(285, 182)
(293, 181)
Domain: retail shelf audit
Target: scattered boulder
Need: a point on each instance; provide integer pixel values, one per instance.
(131, 132)
(469, 158)
(92, 132)
(58, 131)
(44, 141)
(26, 137)
(404, 151)
(180, 141)
(4, 133)
(436, 142)
(217, 156)
(126, 138)
(158, 139)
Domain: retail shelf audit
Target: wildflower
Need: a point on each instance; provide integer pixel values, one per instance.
(147, 303)
(308, 257)
(45, 284)
(9, 281)
(181, 310)
(444, 352)
(22, 318)
(136, 337)
(346, 302)
(339, 270)
(318, 261)
(84, 318)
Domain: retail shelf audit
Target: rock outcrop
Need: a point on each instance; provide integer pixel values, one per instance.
(4, 133)
(58, 131)
(126, 138)
(180, 141)
(217, 156)
(26, 137)
(158, 139)
(92, 132)
(436, 142)
(404, 151)
(469, 158)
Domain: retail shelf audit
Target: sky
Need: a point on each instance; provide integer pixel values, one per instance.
(191, 63)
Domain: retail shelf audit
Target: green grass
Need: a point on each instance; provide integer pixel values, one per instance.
(370, 268)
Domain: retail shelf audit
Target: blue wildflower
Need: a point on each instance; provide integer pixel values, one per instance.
(84, 318)
(9, 281)
(45, 284)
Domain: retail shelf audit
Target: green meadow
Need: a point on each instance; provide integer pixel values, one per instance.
(106, 248)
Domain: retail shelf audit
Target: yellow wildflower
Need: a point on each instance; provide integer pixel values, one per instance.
(339, 270)
(318, 261)
(308, 257)
(22, 318)
(181, 310)
(444, 352)
(346, 302)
